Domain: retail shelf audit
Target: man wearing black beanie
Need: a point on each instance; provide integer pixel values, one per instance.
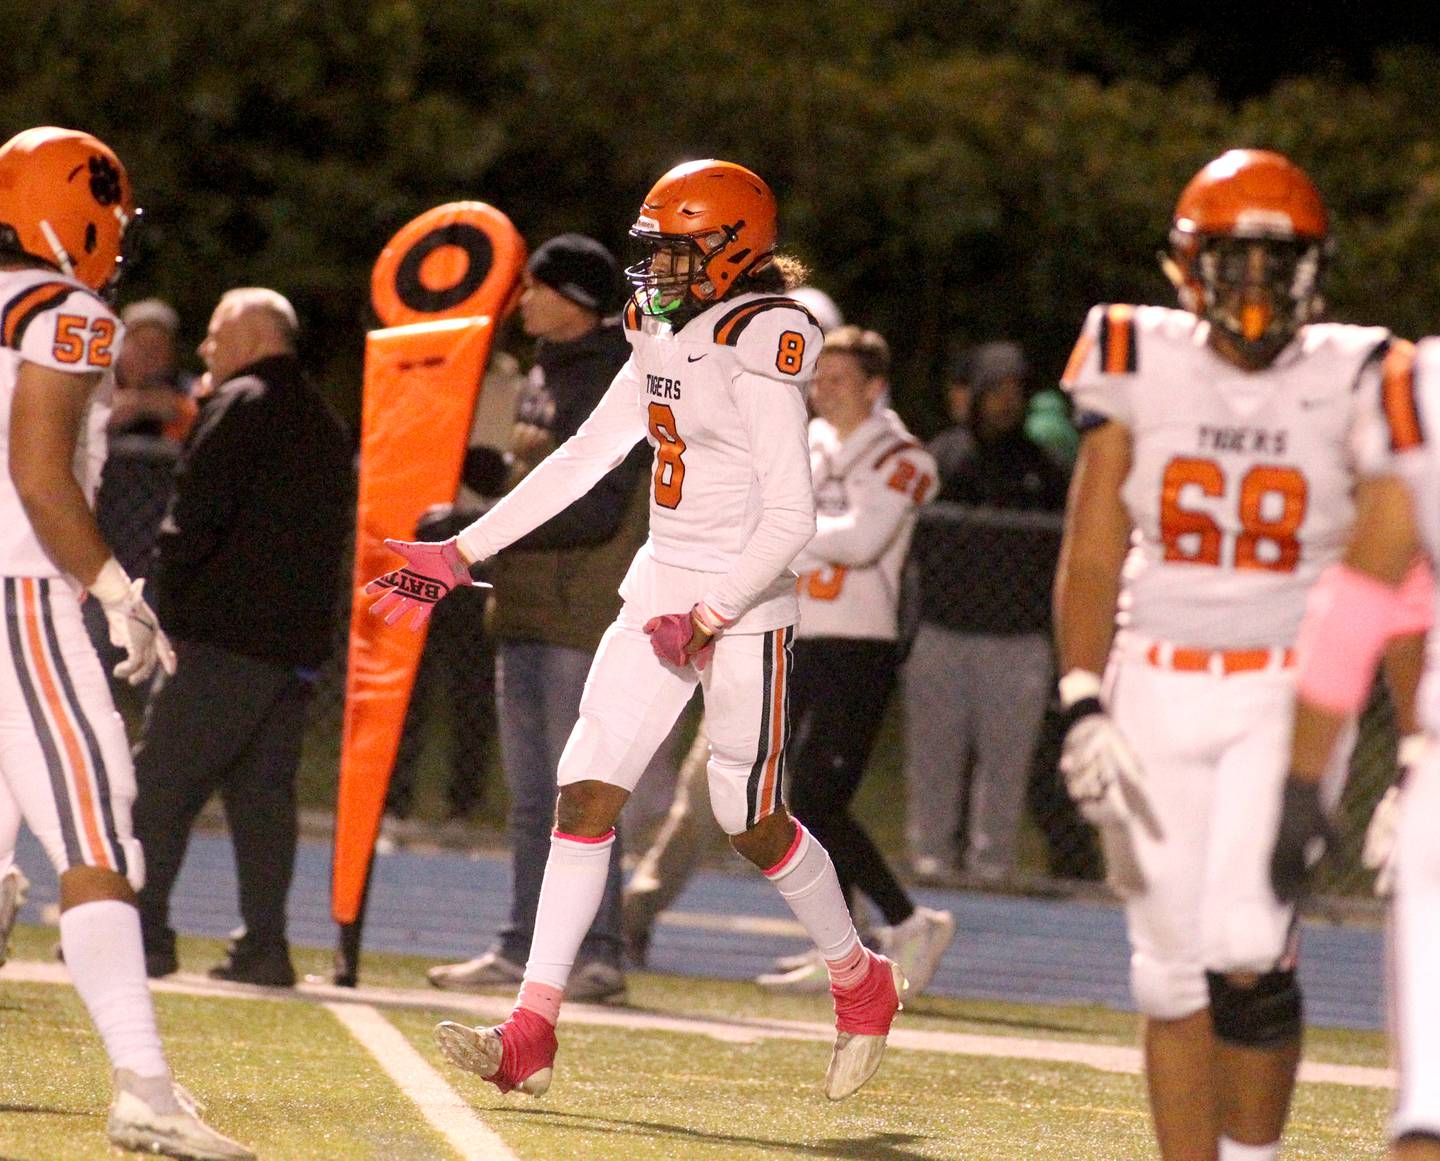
(555, 591)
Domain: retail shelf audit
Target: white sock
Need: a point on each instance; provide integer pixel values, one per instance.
(569, 901)
(806, 880)
(106, 961)
(1235, 1151)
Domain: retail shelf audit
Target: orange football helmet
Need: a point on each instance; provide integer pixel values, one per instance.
(705, 225)
(1248, 245)
(65, 200)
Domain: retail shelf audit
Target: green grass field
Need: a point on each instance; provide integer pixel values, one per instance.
(286, 1077)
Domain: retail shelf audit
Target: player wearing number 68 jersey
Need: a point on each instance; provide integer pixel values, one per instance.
(716, 383)
(1214, 486)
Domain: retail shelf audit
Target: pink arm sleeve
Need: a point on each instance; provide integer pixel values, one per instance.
(1349, 616)
(1416, 610)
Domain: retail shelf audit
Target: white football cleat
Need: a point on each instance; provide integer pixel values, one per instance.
(14, 887)
(153, 1114)
(862, 1022)
(918, 943)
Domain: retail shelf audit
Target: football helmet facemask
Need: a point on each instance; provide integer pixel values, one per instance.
(65, 200)
(703, 226)
(1248, 246)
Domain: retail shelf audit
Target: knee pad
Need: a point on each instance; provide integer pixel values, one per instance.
(729, 801)
(1267, 1015)
(1167, 990)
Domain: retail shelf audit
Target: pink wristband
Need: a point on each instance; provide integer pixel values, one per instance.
(1349, 616)
(1415, 612)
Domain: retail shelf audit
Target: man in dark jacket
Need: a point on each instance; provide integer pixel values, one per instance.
(555, 592)
(979, 673)
(249, 558)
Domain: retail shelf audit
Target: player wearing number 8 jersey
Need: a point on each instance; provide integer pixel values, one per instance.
(716, 381)
(1214, 485)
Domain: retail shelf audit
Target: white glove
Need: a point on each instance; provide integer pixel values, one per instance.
(133, 625)
(1378, 853)
(1102, 774)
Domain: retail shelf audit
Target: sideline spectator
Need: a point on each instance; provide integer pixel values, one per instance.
(249, 557)
(555, 592)
(151, 395)
(869, 475)
(978, 676)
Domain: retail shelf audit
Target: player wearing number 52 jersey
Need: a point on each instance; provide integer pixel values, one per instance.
(65, 204)
(721, 360)
(1214, 485)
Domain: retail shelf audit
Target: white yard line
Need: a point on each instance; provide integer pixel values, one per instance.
(1106, 1057)
(440, 1104)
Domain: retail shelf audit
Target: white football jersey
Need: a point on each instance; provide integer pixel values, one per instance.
(1398, 437)
(1240, 484)
(721, 401)
(53, 321)
(867, 489)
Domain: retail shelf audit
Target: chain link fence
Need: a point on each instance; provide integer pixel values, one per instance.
(448, 769)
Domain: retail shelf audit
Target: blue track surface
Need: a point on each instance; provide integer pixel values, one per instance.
(448, 904)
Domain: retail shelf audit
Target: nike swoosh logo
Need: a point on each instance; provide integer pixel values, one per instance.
(693, 358)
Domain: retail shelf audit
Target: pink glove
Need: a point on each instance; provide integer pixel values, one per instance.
(430, 572)
(682, 639)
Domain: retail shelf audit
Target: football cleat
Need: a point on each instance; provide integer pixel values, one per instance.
(152, 1114)
(518, 1054)
(14, 887)
(863, 1013)
(918, 943)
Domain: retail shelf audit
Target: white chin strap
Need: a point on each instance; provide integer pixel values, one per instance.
(62, 257)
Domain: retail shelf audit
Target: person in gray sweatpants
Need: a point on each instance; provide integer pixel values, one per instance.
(979, 672)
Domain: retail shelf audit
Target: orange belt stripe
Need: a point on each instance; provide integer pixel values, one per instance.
(1227, 661)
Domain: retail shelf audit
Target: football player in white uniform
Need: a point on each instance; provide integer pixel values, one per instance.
(65, 203)
(1213, 487)
(1350, 614)
(716, 383)
(870, 477)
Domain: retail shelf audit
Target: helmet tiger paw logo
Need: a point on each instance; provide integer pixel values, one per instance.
(105, 181)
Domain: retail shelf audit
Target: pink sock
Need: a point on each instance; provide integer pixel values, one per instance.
(542, 999)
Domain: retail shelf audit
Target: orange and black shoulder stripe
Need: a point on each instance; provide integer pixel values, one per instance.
(1117, 340)
(631, 315)
(894, 449)
(1397, 397)
(732, 324)
(17, 314)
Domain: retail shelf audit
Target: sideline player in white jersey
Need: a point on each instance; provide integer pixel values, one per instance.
(716, 382)
(65, 203)
(870, 475)
(1213, 487)
(1372, 595)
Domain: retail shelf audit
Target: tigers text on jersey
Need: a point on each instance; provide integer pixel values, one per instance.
(867, 489)
(721, 401)
(1240, 483)
(56, 322)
